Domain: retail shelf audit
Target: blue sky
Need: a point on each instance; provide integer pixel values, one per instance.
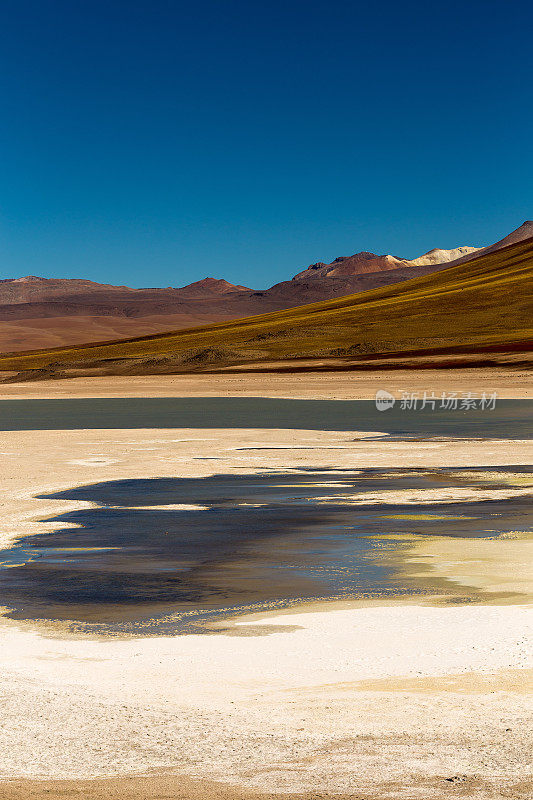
(153, 143)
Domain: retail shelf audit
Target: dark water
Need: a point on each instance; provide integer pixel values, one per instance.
(510, 418)
(272, 537)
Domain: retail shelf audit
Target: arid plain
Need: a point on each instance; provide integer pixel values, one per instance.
(419, 691)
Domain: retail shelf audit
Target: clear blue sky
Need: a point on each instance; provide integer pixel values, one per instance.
(155, 142)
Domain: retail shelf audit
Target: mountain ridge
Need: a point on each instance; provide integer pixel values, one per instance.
(451, 317)
(38, 312)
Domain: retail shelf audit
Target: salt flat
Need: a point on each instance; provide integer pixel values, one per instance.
(422, 698)
(343, 700)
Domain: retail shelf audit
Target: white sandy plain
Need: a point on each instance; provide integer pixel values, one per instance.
(299, 708)
(392, 698)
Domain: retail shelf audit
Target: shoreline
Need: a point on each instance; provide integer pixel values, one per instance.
(508, 383)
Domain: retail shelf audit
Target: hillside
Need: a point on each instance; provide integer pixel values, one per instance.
(475, 309)
(38, 313)
(525, 231)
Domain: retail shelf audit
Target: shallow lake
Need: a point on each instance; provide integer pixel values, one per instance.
(138, 559)
(510, 419)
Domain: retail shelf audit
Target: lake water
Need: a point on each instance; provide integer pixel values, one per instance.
(137, 561)
(511, 419)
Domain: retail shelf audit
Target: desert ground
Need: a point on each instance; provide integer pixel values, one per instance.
(508, 382)
(422, 697)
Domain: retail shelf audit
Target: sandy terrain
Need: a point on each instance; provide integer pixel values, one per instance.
(335, 385)
(43, 332)
(341, 700)
(167, 787)
(411, 700)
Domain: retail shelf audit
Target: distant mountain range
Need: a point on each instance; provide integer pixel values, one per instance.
(472, 314)
(369, 263)
(38, 312)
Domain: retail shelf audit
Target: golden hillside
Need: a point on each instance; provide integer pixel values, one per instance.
(484, 305)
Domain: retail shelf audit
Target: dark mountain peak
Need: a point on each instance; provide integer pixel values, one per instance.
(210, 286)
(524, 231)
(364, 255)
(358, 264)
(209, 281)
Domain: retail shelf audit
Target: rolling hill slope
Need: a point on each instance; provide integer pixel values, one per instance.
(38, 313)
(481, 307)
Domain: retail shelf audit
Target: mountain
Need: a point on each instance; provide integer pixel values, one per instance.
(33, 289)
(369, 263)
(438, 256)
(211, 286)
(305, 290)
(451, 317)
(358, 264)
(38, 313)
(525, 231)
(48, 312)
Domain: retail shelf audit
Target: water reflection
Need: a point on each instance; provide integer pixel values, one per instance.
(155, 547)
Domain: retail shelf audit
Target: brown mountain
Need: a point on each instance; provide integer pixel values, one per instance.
(32, 288)
(451, 318)
(369, 263)
(38, 312)
(211, 286)
(358, 264)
